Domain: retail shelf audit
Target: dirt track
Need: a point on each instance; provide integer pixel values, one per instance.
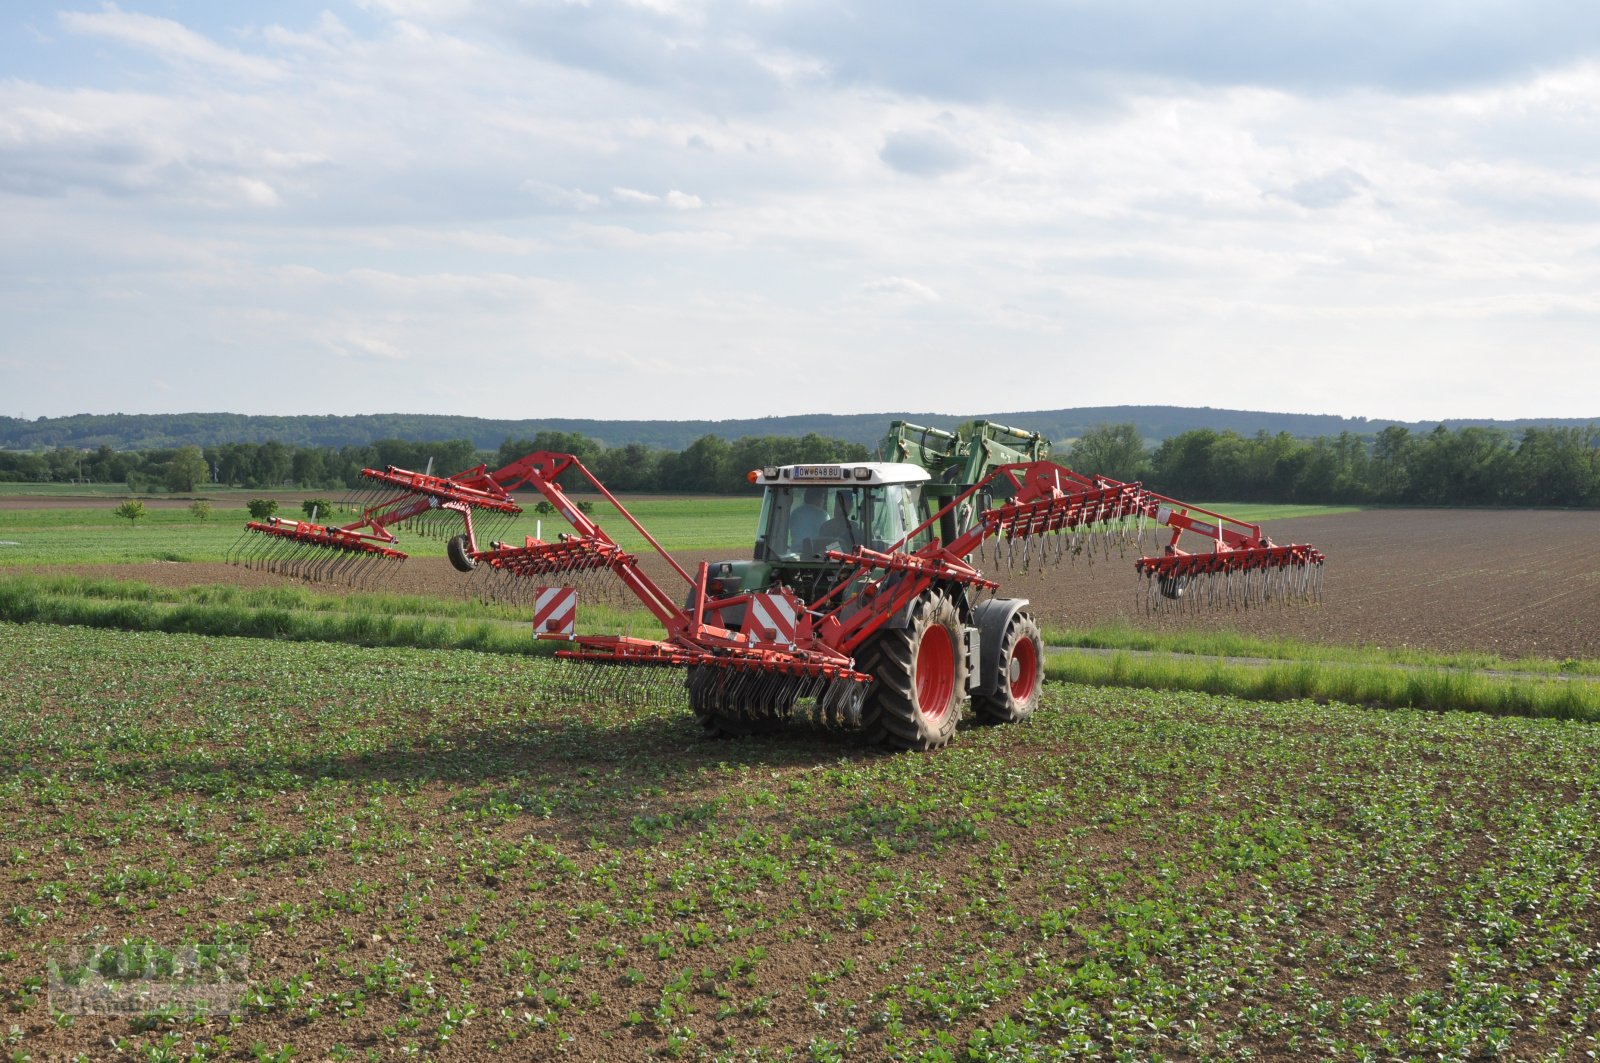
(1520, 583)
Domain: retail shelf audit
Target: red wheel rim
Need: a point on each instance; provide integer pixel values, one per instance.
(936, 671)
(1023, 669)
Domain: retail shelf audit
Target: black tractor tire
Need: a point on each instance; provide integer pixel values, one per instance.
(1020, 664)
(460, 554)
(919, 677)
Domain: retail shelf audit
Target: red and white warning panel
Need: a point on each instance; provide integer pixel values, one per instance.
(771, 618)
(555, 611)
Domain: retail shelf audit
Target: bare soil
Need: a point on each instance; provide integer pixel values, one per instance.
(1514, 583)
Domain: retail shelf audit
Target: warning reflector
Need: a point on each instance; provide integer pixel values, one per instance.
(770, 618)
(555, 611)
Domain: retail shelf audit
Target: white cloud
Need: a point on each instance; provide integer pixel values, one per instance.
(356, 345)
(633, 195)
(326, 37)
(167, 40)
(901, 286)
(628, 196)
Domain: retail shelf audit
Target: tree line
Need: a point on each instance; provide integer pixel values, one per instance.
(709, 465)
(1469, 466)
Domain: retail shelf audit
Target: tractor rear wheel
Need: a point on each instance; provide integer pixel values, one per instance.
(1020, 664)
(919, 678)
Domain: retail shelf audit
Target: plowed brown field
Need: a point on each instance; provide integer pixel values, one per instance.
(1515, 583)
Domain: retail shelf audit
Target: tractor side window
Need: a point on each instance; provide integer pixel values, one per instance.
(908, 514)
(894, 512)
(773, 526)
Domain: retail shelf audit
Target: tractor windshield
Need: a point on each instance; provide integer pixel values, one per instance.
(802, 523)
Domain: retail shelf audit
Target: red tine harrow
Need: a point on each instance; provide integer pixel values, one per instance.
(434, 505)
(514, 573)
(894, 633)
(421, 502)
(309, 551)
(1241, 578)
(1058, 515)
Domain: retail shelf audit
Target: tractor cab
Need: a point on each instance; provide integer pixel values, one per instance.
(807, 510)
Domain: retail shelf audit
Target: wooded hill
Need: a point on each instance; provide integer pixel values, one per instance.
(1154, 423)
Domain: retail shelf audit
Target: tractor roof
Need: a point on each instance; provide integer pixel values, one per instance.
(853, 473)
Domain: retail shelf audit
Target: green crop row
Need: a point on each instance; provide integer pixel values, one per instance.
(1356, 676)
(1381, 685)
(292, 614)
(1237, 644)
(448, 854)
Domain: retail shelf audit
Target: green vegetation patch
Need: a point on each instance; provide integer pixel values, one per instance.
(1376, 685)
(442, 853)
(294, 613)
(97, 536)
(1183, 661)
(1125, 636)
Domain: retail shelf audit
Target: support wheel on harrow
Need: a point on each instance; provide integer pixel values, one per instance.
(1020, 664)
(920, 678)
(460, 554)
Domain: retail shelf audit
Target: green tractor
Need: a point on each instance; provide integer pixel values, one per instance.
(887, 507)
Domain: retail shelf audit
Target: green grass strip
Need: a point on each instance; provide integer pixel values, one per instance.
(1363, 676)
(276, 614)
(306, 599)
(20, 603)
(1124, 636)
(1376, 685)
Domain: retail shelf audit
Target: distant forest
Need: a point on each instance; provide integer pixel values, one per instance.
(1154, 424)
(1468, 466)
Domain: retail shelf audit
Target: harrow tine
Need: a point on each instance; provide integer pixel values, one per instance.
(303, 550)
(1249, 578)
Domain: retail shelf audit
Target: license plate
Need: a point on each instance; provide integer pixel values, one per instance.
(816, 472)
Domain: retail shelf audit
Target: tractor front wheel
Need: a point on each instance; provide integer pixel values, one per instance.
(919, 678)
(1020, 666)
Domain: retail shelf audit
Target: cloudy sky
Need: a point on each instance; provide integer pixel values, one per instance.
(712, 208)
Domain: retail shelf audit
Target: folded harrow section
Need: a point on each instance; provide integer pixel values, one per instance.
(432, 505)
(1089, 522)
(441, 507)
(1058, 515)
(310, 551)
(1239, 578)
(516, 573)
